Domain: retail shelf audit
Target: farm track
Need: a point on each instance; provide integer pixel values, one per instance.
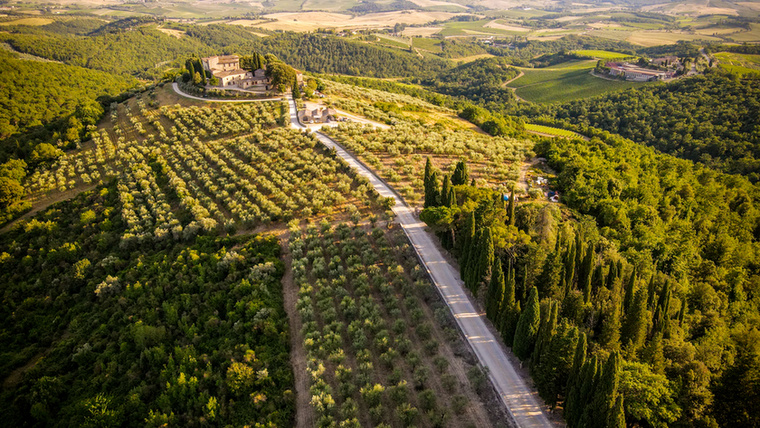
(521, 401)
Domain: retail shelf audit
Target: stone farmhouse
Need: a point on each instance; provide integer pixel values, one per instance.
(318, 115)
(227, 69)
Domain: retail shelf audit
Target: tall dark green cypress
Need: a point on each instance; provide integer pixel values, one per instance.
(584, 282)
(635, 327)
(473, 257)
(607, 391)
(485, 258)
(570, 267)
(546, 331)
(610, 337)
(495, 291)
(662, 313)
(432, 192)
(575, 380)
(616, 418)
(450, 197)
(630, 289)
(467, 234)
(427, 178)
(461, 174)
(597, 281)
(584, 413)
(445, 191)
(651, 292)
(527, 326)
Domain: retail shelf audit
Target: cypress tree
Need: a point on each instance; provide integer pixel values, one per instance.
(511, 208)
(461, 174)
(583, 412)
(509, 326)
(473, 257)
(546, 331)
(527, 326)
(451, 198)
(495, 291)
(296, 91)
(606, 392)
(611, 274)
(432, 192)
(485, 258)
(610, 337)
(445, 191)
(575, 380)
(682, 313)
(617, 414)
(661, 314)
(597, 282)
(464, 242)
(584, 282)
(635, 326)
(651, 292)
(630, 289)
(570, 267)
(426, 179)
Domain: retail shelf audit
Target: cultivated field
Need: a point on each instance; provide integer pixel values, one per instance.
(738, 63)
(564, 82)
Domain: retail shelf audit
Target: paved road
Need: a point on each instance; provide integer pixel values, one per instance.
(522, 402)
(175, 86)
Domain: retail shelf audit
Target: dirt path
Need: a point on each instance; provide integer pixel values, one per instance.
(304, 412)
(504, 85)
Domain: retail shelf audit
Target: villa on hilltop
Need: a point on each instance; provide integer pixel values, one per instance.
(227, 69)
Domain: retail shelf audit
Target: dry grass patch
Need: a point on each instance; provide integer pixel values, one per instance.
(28, 21)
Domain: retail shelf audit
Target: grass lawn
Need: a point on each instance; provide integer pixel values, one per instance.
(566, 82)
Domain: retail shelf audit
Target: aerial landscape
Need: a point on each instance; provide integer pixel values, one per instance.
(380, 213)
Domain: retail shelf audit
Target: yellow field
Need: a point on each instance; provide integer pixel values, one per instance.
(498, 25)
(174, 33)
(309, 21)
(28, 21)
(656, 38)
(421, 31)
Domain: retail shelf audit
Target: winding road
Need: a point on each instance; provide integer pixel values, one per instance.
(521, 401)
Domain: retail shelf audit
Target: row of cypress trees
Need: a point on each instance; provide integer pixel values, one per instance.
(541, 323)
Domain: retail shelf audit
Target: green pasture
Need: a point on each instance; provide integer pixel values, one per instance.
(565, 82)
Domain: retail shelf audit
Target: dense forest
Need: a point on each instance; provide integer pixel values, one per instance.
(639, 300)
(185, 333)
(713, 119)
(481, 81)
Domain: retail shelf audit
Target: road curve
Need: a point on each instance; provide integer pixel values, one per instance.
(175, 86)
(521, 401)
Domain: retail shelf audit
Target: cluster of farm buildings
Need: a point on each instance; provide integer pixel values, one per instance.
(226, 68)
(636, 73)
